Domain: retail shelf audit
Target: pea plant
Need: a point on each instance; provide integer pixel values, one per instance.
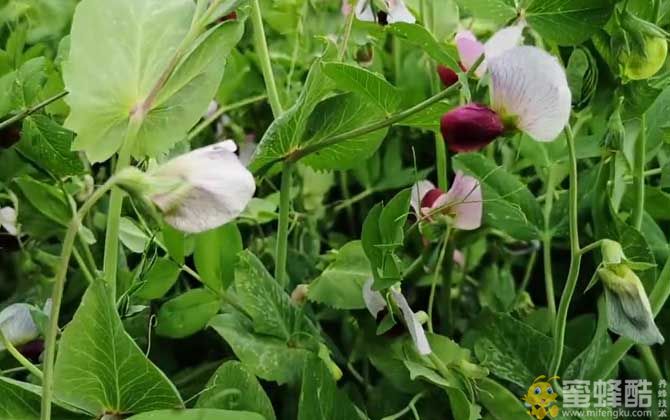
(334, 209)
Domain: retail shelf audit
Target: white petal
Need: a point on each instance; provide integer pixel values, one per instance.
(216, 188)
(374, 300)
(211, 109)
(530, 84)
(419, 190)
(413, 325)
(398, 12)
(8, 220)
(503, 40)
(364, 11)
(17, 324)
(465, 201)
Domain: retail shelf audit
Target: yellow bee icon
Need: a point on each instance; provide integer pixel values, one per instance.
(541, 398)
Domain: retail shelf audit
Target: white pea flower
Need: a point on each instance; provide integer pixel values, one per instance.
(197, 191)
(363, 11)
(376, 303)
(398, 12)
(470, 48)
(17, 323)
(8, 220)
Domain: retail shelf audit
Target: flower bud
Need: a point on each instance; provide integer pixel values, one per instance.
(628, 310)
(471, 127)
(643, 64)
(612, 252)
(447, 75)
(299, 294)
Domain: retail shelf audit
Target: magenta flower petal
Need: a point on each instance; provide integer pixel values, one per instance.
(464, 199)
(471, 127)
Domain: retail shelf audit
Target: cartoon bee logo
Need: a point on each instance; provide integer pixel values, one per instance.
(541, 399)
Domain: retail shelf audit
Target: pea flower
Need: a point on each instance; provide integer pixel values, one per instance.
(463, 201)
(376, 303)
(362, 9)
(8, 220)
(530, 93)
(447, 76)
(17, 324)
(398, 12)
(197, 191)
(629, 312)
(470, 49)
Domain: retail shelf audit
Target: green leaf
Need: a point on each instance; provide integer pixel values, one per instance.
(338, 115)
(513, 350)
(175, 243)
(566, 22)
(132, 236)
(197, 414)
(265, 356)
(30, 78)
(187, 313)
(100, 368)
(266, 302)
(108, 75)
(21, 401)
(215, 255)
(47, 145)
(499, 401)
(232, 387)
(499, 186)
(47, 199)
(319, 396)
(158, 279)
(352, 78)
(285, 134)
(393, 218)
(341, 284)
(419, 36)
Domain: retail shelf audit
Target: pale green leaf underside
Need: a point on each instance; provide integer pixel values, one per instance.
(100, 368)
(110, 73)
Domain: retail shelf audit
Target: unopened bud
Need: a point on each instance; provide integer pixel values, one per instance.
(299, 294)
(471, 127)
(447, 75)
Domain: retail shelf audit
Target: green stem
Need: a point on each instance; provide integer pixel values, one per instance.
(638, 174)
(575, 260)
(347, 35)
(31, 110)
(400, 414)
(282, 229)
(111, 258)
(546, 244)
(386, 122)
(57, 296)
(650, 363)
(590, 247)
(441, 160)
(618, 350)
(219, 112)
(526, 278)
(433, 285)
(261, 46)
(19, 357)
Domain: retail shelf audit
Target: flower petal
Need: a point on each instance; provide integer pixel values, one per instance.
(503, 40)
(398, 12)
(413, 325)
(215, 188)
(8, 220)
(419, 191)
(465, 201)
(530, 85)
(17, 324)
(364, 11)
(469, 50)
(470, 127)
(374, 300)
